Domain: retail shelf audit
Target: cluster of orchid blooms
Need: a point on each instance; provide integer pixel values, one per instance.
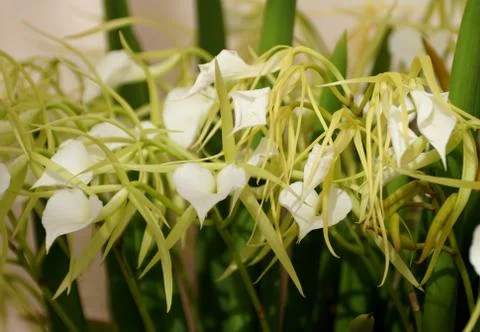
(395, 128)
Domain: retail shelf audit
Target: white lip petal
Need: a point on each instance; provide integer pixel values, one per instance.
(74, 157)
(303, 211)
(67, 211)
(396, 131)
(250, 108)
(339, 205)
(111, 132)
(434, 121)
(264, 150)
(317, 166)
(4, 178)
(185, 116)
(114, 69)
(197, 185)
(474, 252)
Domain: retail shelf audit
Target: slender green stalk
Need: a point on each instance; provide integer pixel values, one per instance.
(278, 24)
(210, 26)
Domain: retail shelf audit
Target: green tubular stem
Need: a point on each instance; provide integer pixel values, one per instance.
(210, 26)
(278, 24)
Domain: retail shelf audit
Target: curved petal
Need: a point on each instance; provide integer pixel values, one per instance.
(250, 108)
(317, 166)
(264, 150)
(339, 205)
(111, 132)
(114, 69)
(196, 184)
(185, 116)
(434, 121)
(4, 178)
(74, 157)
(67, 211)
(474, 252)
(230, 179)
(303, 211)
(396, 131)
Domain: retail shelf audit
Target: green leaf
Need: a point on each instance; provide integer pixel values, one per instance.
(362, 323)
(278, 24)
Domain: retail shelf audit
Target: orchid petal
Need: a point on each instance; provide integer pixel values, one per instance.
(110, 131)
(67, 211)
(396, 131)
(185, 116)
(474, 253)
(197, 185)
(264, 150)
(114, 69)
(73, 157)
(317, 166)
(250, 108)
(434, 121)
(4, 178)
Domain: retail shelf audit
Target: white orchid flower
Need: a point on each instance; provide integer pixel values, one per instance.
(232, 68)
(434, 121)
(316, 167)
(250, 108)
(73, 156)
(264, 150)
(67, 211)
(114, 69)
(474, 252)
(4, 178)
(304, 211)
(396, 131)
(197, 185)
(184, 117)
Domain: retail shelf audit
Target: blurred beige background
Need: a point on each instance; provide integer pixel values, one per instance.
(65, 17)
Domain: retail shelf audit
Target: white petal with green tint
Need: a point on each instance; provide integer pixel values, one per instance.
(304, 210)
(250, 108)
(264, 150)
(67, 211)
(111, 133)
(434, 121)
(197, 185)
(400, 141)
(474, 253)
(74, 157)
(317, 166)
(114, 69)
(4, 178)
(184, 117)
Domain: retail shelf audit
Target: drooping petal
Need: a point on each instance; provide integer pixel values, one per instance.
(230, 179)
(110, 132)
(396, 131)
(72, 156)
(250, 108)
(67, 211)
(474, 253)
(264, 150)
(303, 211)
(114, 69)
(434, 121)
(185, 116)
(317, 166)
(4, 178)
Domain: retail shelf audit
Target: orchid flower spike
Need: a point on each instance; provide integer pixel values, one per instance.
(232, 68)
(250, 108)
(197, 185)
(184, 117)
(304, 211)
(114, 69)
(474, 252)
(4, 178)
(73, 156)
(434, 121)
(67, 211)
